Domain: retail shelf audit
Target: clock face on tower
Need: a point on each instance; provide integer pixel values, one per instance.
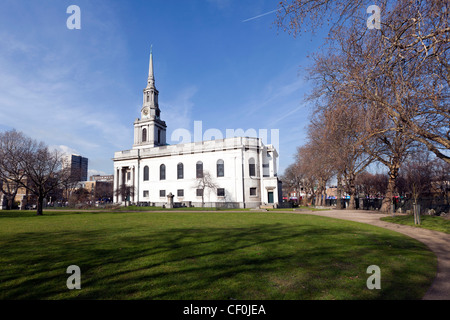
(145, 111)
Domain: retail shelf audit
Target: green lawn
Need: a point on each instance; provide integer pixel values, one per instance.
(428, 222)
(206, 255)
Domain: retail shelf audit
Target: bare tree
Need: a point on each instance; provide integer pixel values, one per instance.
(12, 145)
(43, 173)
(79, 196)
(293, 179)
(204, 182)
(403, 67)
(303, 161)
(372, 185)
(126, 192)
(103, 190)
(441, 179)
(338, 125)
(347, 78)
(32, 165)
(314, 163)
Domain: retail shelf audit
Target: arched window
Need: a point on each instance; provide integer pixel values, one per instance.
(251, 167)
(220, 168)
(146, 173)
(199, 169)
(180, 171)
(162, 172)
(144, 135)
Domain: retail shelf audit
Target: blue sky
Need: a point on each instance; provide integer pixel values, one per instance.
(81, 90)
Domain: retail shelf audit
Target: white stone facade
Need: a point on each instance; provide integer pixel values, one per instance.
(243, 170)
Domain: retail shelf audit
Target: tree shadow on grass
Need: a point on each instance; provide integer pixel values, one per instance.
(268, 261)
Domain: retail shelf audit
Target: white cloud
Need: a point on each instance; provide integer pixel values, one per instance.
(93, 172)
(65, 150)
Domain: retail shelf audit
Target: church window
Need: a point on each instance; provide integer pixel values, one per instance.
(180, 171)
(251, 167)
(162, 172)
(159, 136)
(220, 168)
(180, 193)
(199, 169)
(162, 193)
(199, 192)
(145, 193)
(146, 173)
(253, 191)
(221, 192)
(144, 135)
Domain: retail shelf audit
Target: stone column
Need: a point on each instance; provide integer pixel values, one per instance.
(115, 185)
(134, 186)
(119, 196)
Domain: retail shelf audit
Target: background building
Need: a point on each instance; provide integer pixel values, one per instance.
(78, 167)
(103, 178)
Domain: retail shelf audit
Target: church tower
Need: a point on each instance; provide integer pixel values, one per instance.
(150, 130)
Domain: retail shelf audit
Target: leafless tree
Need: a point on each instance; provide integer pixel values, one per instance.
(313, 160)
(403, 67)
(348, 77)
(293, 179)
(372, 185)
(126, 192)
(441, 179)
(79, 196)
(204, 182)
(31, 165)
(103, 190)
(12, 145)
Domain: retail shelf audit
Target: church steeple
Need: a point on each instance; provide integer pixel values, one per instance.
(150, 130)
(151, 75)
(150, 107)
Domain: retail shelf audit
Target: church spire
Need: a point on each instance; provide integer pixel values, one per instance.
(150, 108)
(151, 76)
(150, 130)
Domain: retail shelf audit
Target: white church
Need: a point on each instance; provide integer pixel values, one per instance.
(238, 172)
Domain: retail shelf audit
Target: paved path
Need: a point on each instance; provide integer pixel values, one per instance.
(438, 242)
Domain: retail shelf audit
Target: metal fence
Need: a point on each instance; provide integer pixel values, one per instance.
(403, 205)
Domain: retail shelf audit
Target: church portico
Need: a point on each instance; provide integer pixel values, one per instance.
(125, 183)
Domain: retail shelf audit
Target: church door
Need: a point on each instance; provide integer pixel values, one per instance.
(270, 196)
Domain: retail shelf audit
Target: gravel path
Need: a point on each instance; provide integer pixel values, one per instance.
(438, 242)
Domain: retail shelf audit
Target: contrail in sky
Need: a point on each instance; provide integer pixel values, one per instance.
(264, 14)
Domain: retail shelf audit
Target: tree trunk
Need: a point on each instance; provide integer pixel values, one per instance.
(387, 201)
(352, 191)
(352, 202)
(319, 197)
(339, 193)
(40, 206)
(9, 202)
